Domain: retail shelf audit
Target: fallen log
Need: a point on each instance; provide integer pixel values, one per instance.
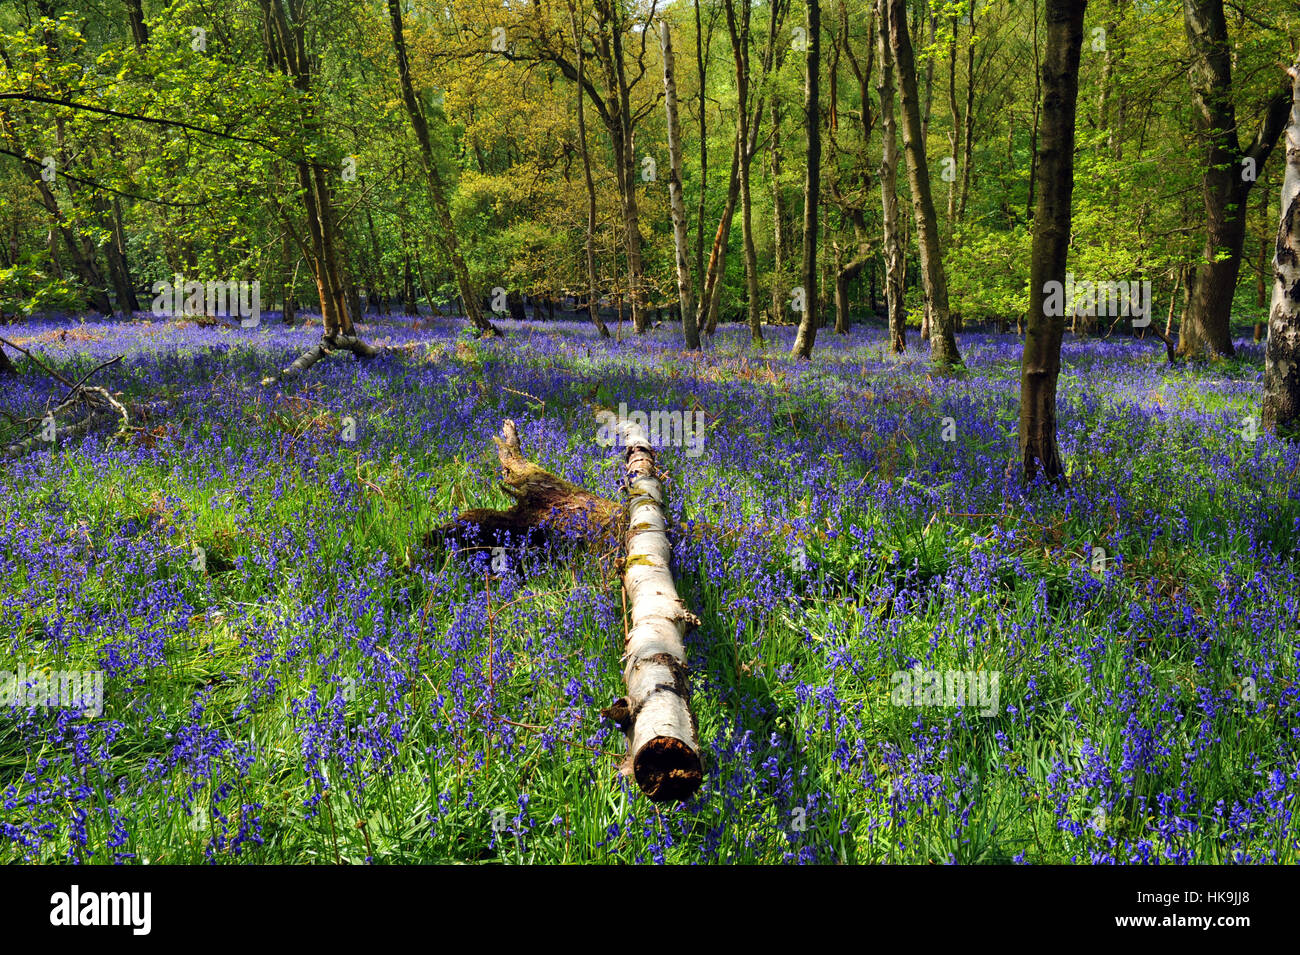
(663, 752)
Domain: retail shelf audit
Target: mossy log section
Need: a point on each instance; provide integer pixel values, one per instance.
(663, 753)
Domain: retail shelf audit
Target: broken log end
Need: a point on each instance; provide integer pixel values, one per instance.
(667, 770)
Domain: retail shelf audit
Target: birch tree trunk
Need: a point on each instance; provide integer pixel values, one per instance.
(943, 344)
(690, 327)
(1282, 353)
(663, 752)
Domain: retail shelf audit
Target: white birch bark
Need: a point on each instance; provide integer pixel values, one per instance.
(663, 750)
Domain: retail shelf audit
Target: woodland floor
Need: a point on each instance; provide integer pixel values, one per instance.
(321, 689)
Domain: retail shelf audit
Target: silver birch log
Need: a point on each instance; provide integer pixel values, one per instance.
(663, 753)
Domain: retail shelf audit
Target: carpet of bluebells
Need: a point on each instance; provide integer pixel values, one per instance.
(327, 686)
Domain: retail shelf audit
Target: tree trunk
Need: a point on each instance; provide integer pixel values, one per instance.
(845, 273)
(701, 72)
(968, 120)
(593, 296)
(445, 228)
(739, 34)
(619, 122)
(1282, 354)
(778, 218)
(1033, 134)
(139, 32)
(1206, 328)
(955, 127)
(708, 308)
(943, 343)
(1261, 279)
(1041, 363)
(807, 334)
(889, 187)
(690, 328)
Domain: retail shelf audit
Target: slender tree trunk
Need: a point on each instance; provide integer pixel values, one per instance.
(922, 15)
(889, 187)
(1041, 364)
(1031, 205)
(619, 121)
(968, 120)
(955, 126)
(1261, 278)
(445, 228)
(681, 242)
(943, 343)
(778, 218)
(139, 32)
(285, 32)
(701, 72)
(1282, 354)
(740, 55)
(593, 294)
(807, 334)
(708, 308)
(845, 274)
(110, 213)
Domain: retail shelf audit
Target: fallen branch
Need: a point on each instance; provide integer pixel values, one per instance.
(37, 441)
(101, 407)
(325, 346)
